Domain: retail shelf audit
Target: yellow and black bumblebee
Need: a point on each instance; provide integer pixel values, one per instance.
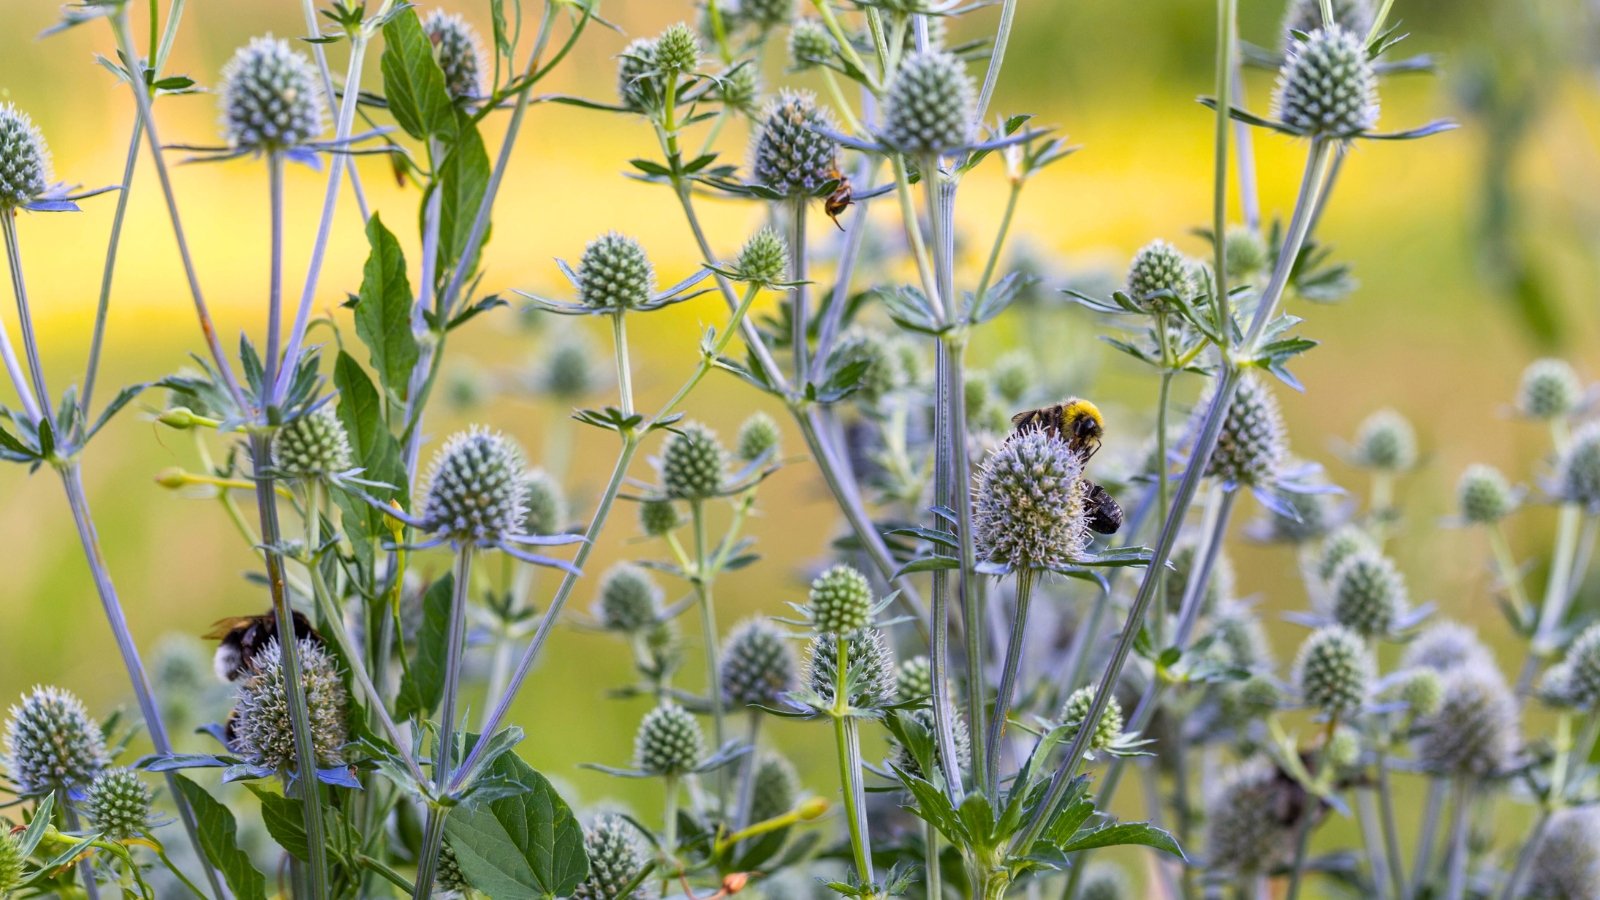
(1080, 424)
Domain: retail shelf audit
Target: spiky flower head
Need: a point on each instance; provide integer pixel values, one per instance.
(1305, 16)
(262, 731)
(669, 741)
(547, 503)
(1254, 698)
(615, 273)
(774, 789)
(791, 155)
(1157, 267)
(118, 804)
(1315, 514)
(658, 517)
(1013, 375)
(1244, 253)
(1105, 881)
(449, 878)
(913, 679)
(694, 466)
(1252, 444)
(931, 104)
(1422, 691)
(1326, 87)
(271, 97)
(1483, 495)
(758, 665)
(740, 89)
(1550, 389)
(615, 859)
(312, 445)
(1029, 509)
(1242, 832)
(1566, 861)
(883, 373)
(840, 600)
(52, 744)
(24, 158)
(1583, 659)
(871, 679)
(1075, 712)
(1386, 441)
(677, 50)
(758, 438)
(476, 492)
(629, 600)
(1334, 669)
(810, 44)
(638, 82)
(1369, 594)
(1239, 640)
(767, 14)
(12, 863)
(1445, 646)
(1343, 543)
(1555, 687)
(459, 51)
(764, 259)
(1578, 470)
(566, 368)
(1474, 731)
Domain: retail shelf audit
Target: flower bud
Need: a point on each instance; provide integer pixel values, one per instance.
(1244, 253)
(810, 44)
(1326, 87)
(449, 878)
(476, 492)
(1444, 646)
(459, 52)
(1075, 711)
(1550, 389)
(931, 104)
(271, 97)
(764, 259)
(840, 600)
(1583, 660)
(24, 158)
(313, 445)
(547, 503)
(1334, 669)
(1339, 546)
(658, 517)
(1386, 442)
(921, 719)
(263, 734)
(1013, 375)
(629, 601)
(119, 803)
(1484, 496)
(1252, 444)
(669, 741)
(615, 274)
(615, 859)
(1578, 470)
(758, 438)
(677, 50)
(1029, 509)
(758, 665)
(693, 464)
(913, 680)
(52, 744)
(791, 154)
(1369, 594)
(1159, 267)
(566, 369)
(639, 85)
(740, 89)
(774, 788)
(1422, 692)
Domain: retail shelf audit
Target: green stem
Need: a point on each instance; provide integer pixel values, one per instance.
(1456, 862)
(933, 875)
(847, 739)
(997, 56)
(30, 342)
(1556, 593)
(1008, 677)
(1226, 14)
(444, 749)
(1372, 841)
(1422, 863)
(993, 262)
(102, 309)
(800, 298)
(703, 579)
(1391, 831)
(619, 331)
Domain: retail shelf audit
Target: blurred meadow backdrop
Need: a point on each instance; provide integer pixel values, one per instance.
(1475, 251)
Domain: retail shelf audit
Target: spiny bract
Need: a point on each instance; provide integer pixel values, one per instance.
(476, 493)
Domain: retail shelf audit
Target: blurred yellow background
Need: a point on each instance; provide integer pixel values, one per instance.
(1432, 331)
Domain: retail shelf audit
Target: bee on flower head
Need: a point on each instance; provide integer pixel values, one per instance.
(242, 638)
(1078, 422)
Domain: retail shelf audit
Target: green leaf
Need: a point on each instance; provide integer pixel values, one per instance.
(422, 686)
(383, 309)
(284, 819)
(1135, 833)
(219, 839)
(375, 450)
(463, 179)
(412, 80)
(526, 845)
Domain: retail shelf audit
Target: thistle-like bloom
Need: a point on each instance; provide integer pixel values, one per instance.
(1305, 16)
(1075, 713)
(1327, 87)
(921, 719)
(740, 89)
(1549, 389)
(476, 493)
(1247, 701)
(1028, 509)
(12, 863)
(263, 734)
(1583, 662)
(1386, 441)
(810, 44)
(1219, 587)
(913, 679)
(658, 516)
(1339, 546)
(314, 445)
(119, 803)
(775, 788)
(764, 258)
(567, 369)
(1474, 731)
(840, 600)
(883, 373)
(694, 465)
(459, 51)
(1238, 639)
(1422, 691)
(931, 104)
(52, 743)
(629, 600)
(1159, 268)
(1251, 447)
(765, 14)
(615, 274)
(546, 503)
(1483, 495)
(677, 50)
(1566, 861)
(1334, 669)
(638, 85)
(758, 665)
(758, 438)
(1243, 833)
(1578, 472)
(871, 680)
(1446, 646)
(24, 158)
(615, 859)
(271, 97)
(1244, 253)
(1369, 594)
(669, 741)
(792, 154)
(1314, 516)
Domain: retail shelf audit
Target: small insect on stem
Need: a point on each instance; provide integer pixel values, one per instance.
(840, 199)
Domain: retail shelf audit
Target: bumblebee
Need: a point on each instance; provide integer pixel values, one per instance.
(835, 204)
(244, 637)
(1079, 423)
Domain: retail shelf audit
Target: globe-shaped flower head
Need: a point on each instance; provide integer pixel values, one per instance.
(774, 789)
(13, 862)
(449, 879)
(1334, 669)
(261, 724)
(1075, 712)
(1157, 267)
(476, 492)
(1029, 507)
(1474, 730)
(765, 14)
(1583, 663)
(758, 438)
(1484, 496)
(1339, 546)
(639, 85)
(24, 158)
(669, 741)
(1386, 441)
(1242, 832)
(118, 804)
(629, 601)
(1578, 471)
(546, 503)
(312, 445)
(1326, 87)
(791, 154)
(764, 259)
(1446, 646)
(459, 52)
(1251, 446)
(913, 679)
(615, 274)
(658, 517)
(1550, 389)
(740, 89)
(1369, 594)
(694, 465)
(271, 97)
(1566, 861)
(615, 858)
(931, 104)
(52, 744)
(758, 665)
(677, 50)
(840, 600)
(810, 44)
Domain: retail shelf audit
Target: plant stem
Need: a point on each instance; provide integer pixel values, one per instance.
(113, 243)
(1308, 816)
(1456, 862)
(1391, 832)
(800, 297)
(1372, 841)
(997, 56)
(993, 262)
(1421, 865)
(352, 84)
(1556, 594)
(708, 624)
(1219, 190)
(444, 752)
(619, 333)
(933, 875)
(275, 290)
(848, 741)
(69, 818)
(1525, 858)
(30, 343)
(1008, 677)
(669, 830)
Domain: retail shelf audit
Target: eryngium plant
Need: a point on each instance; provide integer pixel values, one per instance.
(260, 729)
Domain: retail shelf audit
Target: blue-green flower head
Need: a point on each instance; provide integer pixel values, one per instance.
(1334, 669)
(792, 154)
(1578, 470)
(1550, 389)
(840, 600)
(118, 804)
(262, 733)
(476, 489)
(694, 465)
(616, 857)
(1029, 509)
(931, 104)
(1474, 732)
(615, 273)
(1483, 495)
(639, 86)
(459, 51)
(1386, 441)
(1305, 16)
(669, 741)
(1327, 87)
(52, 743)
(24, 158)
(810, 44)
(1566, 860)
(271, 97)
(758, 665)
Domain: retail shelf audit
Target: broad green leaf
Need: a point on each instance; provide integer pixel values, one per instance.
(463, 179)
(376, 452)
(526, 845)
(412, 81)
(219, 840)
(1137, 833)
(284, 819)
(422, 687)
(383, 309)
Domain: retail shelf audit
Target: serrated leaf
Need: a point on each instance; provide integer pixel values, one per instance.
(463, 179)
(422, 687)
(526, 845)
(284, 820)
(1129, 833)
(413, 83)
(383, 310)
(219, 840)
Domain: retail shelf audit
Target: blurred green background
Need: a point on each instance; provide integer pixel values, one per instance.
(1475, 251)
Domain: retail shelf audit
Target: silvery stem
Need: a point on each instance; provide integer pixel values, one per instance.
(444, 749)
(103, 306)
(30, 343)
